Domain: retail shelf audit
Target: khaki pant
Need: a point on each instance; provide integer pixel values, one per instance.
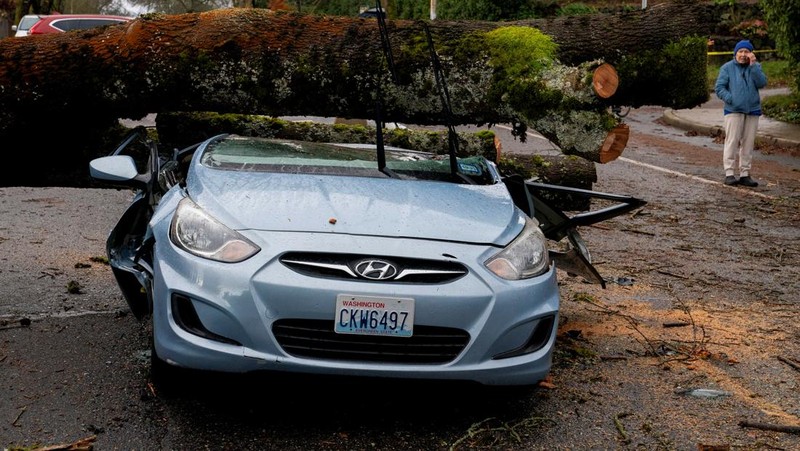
(740, 136)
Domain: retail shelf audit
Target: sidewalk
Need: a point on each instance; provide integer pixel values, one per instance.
(708, 119)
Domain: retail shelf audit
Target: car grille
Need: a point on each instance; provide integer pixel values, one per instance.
(346, 266)
(316, 339)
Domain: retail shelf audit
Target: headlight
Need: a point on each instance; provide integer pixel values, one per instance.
(525, 257)
(194, 231)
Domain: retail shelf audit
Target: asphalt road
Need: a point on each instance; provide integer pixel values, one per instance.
(75, 365)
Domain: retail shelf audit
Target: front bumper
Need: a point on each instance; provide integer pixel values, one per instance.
(243, 305)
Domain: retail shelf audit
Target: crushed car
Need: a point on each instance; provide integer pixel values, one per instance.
(251, 254)
(256, 254)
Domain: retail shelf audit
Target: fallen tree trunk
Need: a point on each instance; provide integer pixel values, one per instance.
(255, 61)
(177, 130)
(564, 170)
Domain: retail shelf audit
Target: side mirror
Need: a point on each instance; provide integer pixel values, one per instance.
(116, 169)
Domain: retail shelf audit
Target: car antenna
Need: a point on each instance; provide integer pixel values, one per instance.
(387, 53)
(441, 83)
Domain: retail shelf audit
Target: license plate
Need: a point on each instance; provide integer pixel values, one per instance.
(368, 315)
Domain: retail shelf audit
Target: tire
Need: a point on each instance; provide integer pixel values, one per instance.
(166, 378)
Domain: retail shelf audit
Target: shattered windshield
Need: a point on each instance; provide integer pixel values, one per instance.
(286, 156)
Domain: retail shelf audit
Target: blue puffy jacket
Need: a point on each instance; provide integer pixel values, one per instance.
(737, 85)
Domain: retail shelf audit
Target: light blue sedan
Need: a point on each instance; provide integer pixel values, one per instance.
(256, 254)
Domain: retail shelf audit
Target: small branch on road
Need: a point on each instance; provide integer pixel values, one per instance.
(84, 444)
(770, 427)
(613, 357)
(621, 427)
(484, 426)
(780, 257)
(790, 363)
(642, 232)
(23, 322)
(667, 273)
(676, 324)
(19, 415)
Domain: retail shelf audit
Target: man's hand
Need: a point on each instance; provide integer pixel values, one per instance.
(752, 57)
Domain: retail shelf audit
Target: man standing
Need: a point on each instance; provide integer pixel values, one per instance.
(737, 85)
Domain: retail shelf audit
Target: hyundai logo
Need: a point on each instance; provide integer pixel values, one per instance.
(376, 269)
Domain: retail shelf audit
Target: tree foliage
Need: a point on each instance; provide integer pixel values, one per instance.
(783, 23)
(493, 10)
(178, 6)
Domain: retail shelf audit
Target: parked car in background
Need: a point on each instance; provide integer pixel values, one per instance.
(59, 23)
(372, 13)
(25, 24)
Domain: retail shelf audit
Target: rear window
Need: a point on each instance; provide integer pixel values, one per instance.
(27, 22)
(287, 156)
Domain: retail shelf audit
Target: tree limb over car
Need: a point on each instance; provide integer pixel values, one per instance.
(252, 61)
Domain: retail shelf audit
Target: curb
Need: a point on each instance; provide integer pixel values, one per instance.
(671, 118)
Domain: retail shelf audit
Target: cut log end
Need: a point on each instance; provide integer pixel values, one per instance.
(614, 143)
(605, 80)
(498, 145)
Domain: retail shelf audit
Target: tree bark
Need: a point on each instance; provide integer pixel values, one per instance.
(256, 61)
(564, 170)
(177, 130)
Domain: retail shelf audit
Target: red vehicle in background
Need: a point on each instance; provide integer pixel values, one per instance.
(59, 23)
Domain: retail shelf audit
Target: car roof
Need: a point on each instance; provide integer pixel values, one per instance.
(83, 16)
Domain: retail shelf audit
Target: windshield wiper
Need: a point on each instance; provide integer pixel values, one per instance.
(387, 53)
(441, 83)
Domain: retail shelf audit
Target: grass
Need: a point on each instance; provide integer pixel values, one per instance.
(785, 108)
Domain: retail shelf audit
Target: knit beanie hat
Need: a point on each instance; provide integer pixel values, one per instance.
(743, 44)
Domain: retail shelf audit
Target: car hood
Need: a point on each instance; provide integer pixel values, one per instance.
(358, 205)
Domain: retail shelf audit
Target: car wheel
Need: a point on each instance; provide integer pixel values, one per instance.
(166, 378)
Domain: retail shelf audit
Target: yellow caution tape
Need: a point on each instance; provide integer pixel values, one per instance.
(731, 52)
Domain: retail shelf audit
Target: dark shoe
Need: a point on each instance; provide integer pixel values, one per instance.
(731, 180)
(747, 181)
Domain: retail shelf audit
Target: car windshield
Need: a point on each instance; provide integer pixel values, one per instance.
(287, 156)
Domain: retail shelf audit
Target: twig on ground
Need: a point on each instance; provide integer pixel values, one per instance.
(613, 357)
(639, 231)
(620, 427)
(84, 444)
(19, 415)
(631, 321)
(676, 324)
(667, 273)
(790, 363)
(770, 427)
(482, 427)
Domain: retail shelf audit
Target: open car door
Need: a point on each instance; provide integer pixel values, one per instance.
(556, 225)
(127, 245)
